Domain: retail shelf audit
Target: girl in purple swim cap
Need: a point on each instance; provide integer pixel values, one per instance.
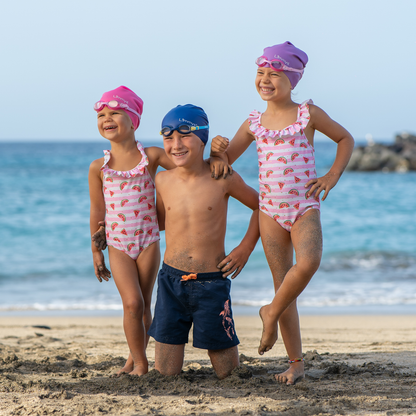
(289, 189)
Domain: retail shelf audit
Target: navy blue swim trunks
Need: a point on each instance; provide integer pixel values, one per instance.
(203, 300)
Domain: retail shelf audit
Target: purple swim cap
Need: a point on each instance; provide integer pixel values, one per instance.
(291, 56)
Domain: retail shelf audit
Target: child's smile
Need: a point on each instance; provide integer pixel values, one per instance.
(179, 154)
(266, 90)
(272, 84)
(113, 123)
(181, 147)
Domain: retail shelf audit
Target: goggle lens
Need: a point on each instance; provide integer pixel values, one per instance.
(261, 61)
(276, 65)
(184, 129)
(114, 104)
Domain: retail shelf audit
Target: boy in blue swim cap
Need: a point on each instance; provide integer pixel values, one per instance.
(193, 284)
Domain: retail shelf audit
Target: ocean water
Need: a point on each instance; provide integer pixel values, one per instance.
(369, 227)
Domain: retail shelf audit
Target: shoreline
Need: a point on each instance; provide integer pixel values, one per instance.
(355, 365)
(238, 310)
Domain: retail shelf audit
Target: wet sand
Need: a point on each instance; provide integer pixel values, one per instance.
(355, 365)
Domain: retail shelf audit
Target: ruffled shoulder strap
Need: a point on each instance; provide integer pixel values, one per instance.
(107, 157)
(138, 170)
(145, 160)
(303, 114)
(254, 122)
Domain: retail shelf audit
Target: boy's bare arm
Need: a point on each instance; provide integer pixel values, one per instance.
(237, 259)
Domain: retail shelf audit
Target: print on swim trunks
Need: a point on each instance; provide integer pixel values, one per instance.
(227, 321)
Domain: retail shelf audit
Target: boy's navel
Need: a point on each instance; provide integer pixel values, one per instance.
(210, 208)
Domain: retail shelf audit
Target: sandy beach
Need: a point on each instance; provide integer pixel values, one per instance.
(355, 365)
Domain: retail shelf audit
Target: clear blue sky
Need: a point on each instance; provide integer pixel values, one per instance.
(57, 58)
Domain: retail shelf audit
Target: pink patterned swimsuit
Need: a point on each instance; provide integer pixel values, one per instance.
(130, 220)
(286, 164)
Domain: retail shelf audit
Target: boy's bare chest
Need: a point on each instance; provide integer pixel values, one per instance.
(204, 199)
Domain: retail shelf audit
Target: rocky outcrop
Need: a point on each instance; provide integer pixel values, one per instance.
(397, 157)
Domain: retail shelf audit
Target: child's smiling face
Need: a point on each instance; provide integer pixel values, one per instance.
(114, 123)
(272, 85)
(183, 149)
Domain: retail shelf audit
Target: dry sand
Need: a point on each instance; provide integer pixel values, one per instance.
(355, 365)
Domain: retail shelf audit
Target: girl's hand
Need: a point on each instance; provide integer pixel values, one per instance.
(99, 237)
(235, 261)
(101, 270)
(219, 168)
(325, 183)
(219, 144)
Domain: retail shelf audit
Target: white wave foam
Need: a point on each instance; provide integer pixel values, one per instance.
(62, 307)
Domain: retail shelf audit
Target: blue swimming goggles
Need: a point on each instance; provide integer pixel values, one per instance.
(183, 128)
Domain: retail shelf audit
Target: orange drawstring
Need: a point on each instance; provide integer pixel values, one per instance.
(191, 276)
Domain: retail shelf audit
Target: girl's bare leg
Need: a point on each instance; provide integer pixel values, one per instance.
(147, 265)
(306, 237)
(278, 249)
(126, 276)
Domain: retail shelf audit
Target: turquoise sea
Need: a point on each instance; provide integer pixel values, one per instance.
(369, 226)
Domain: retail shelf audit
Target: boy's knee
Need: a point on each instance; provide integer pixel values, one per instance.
(224, 361)
(223, 374)
(169, 358)
(168, 371)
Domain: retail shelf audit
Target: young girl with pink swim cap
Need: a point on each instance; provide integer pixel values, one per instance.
(122, 193)
(289, 189)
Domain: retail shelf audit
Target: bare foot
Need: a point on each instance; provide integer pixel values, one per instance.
(128, 367)
(269, 335)
(140, 369)
(294, 373)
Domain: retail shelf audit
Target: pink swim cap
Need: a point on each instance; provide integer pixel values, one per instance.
(291, 56)
(126, 96)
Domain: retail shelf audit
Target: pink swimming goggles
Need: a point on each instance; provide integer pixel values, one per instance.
(99, 105)
(276, 64)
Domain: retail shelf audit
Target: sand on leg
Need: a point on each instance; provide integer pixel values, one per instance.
(224, 361)
(278, 249)
(279, 255)
(306, 237)
(169, 358)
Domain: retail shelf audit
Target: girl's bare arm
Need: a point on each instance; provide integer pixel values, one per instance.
(160, 206)
(157, 157)
(97, 213)
(229, 152)
(322, 122)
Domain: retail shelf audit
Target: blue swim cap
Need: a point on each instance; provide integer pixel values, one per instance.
(187, 114)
